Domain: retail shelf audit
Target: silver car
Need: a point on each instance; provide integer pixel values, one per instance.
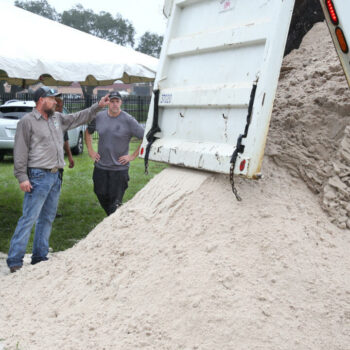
(12, 111)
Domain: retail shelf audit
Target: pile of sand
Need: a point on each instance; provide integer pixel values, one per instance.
(310, 127)
(183, 265)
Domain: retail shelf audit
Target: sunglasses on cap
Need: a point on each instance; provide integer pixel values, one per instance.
(45, 91)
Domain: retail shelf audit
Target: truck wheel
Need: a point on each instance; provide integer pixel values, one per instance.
(2, 155)
(79, 148)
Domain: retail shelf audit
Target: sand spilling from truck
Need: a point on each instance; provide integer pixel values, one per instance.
(183, 265)
(310, 127)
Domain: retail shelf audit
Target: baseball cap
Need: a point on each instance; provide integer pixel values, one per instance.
(115, 94)
(45, 91)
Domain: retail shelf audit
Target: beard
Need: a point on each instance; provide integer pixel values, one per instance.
(49, 111)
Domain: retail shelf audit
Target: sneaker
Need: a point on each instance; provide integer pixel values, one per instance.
(15, 268)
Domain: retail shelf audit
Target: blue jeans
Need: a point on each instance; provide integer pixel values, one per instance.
(39, 207)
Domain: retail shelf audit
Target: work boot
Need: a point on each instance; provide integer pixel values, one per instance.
(14, 268)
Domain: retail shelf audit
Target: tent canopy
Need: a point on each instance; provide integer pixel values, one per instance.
(35, 49)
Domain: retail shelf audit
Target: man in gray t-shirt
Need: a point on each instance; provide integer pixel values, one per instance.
(115, 128)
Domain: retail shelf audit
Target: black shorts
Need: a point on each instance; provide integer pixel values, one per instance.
(111, 184)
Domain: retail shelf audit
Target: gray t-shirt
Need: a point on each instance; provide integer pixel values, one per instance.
(114, 137)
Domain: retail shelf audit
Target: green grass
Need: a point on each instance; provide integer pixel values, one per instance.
(78, 204)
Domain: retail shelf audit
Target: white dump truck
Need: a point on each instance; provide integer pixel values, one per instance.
(217, 78)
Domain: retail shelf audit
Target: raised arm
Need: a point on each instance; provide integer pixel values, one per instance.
(70, 121)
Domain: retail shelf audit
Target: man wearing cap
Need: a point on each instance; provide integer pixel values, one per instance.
(111, 172)
(38, 166)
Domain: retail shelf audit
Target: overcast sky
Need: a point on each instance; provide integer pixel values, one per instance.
(145, 15)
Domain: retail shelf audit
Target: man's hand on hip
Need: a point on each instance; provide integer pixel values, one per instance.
(125, 159)
(94, 156)
(25, 186)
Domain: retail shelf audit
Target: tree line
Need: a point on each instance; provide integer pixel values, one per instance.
(103, 25)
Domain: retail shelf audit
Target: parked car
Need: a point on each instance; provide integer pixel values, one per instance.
(12, 111)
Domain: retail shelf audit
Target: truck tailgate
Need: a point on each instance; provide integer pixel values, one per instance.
(213, 53)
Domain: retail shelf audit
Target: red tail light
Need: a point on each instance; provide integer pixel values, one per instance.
(242, 165)
(142, 150)
(332, 13)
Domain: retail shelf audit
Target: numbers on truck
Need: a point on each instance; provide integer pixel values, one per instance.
(165, 98)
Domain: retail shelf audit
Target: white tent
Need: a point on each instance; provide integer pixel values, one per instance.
(34, 49)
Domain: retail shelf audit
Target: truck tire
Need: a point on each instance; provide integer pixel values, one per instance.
(79, 148)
